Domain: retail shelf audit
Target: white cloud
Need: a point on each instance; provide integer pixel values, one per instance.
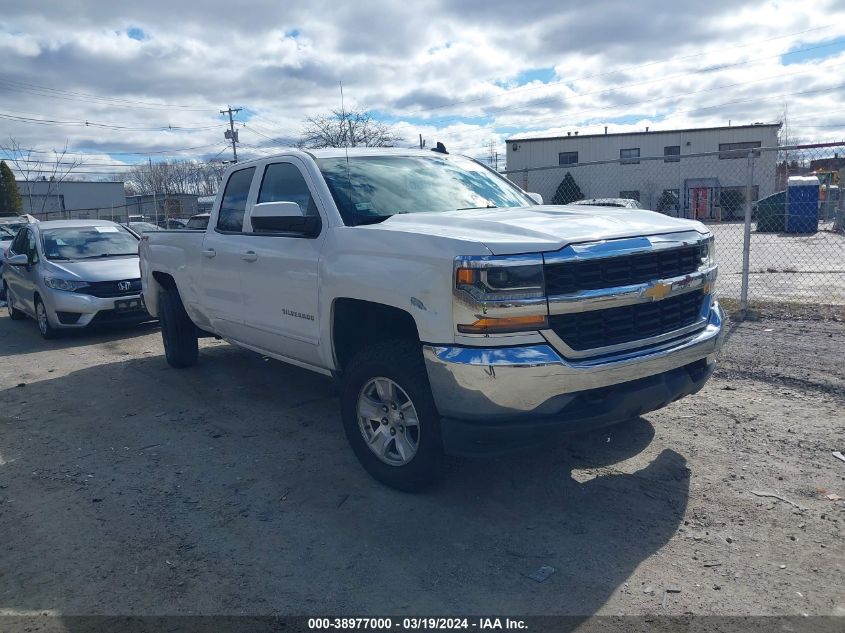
(443, 69)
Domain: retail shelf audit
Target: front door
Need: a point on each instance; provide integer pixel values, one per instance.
(279, 276)
(221, 258)
(22, 279)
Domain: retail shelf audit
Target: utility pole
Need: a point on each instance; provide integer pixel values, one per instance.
(155, 186)
(231, 133)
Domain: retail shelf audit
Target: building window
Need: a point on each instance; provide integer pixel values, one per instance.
(671, 153)
(630, 156)
(633, 194)
(737, 150)
(567, 158)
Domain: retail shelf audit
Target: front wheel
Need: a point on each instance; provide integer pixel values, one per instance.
(390, 417)
(178, 332)
(47, 331)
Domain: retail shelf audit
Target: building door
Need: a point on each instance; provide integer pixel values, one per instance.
(700, 203)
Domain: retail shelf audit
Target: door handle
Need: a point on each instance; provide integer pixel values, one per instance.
(209, 252)
(249, 256)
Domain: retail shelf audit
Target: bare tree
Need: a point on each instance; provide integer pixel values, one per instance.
(175, 176)
(31, 169)
(342, 128)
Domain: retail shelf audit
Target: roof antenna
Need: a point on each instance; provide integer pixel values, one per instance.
(440, 148)
(345, 142)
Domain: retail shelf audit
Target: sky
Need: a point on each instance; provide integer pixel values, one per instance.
(123, 82)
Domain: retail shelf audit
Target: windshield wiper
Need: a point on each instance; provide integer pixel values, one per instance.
(107, 255)
(488, 206)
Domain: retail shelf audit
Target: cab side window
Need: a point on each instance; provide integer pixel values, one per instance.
(283, 182)
(233, 205)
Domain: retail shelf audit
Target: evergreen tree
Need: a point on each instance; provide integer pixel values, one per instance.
(10, 197)
(567, 191)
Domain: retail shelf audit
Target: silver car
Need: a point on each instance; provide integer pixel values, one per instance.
(74, 273)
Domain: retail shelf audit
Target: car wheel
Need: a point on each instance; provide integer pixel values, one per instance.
(178, 332)
(47, 330)
(14, 313)
(390, 417)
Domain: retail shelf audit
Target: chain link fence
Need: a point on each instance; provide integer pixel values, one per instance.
(776, 212)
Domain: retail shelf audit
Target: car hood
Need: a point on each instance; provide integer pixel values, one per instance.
(107, 269)
(538, 228)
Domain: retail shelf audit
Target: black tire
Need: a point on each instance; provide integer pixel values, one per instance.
(47, 331)
(178, 332)
(14, 313)
(400, 361)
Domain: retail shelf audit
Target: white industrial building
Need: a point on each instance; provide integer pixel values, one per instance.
(619, 165)
(51, 200)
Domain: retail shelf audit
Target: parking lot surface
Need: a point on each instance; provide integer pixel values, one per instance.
(127, 487)
(782, 267)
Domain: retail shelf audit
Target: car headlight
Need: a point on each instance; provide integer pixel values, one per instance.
(57, 283)
(500, 294)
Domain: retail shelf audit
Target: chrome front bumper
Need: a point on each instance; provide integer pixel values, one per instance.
(507, 383)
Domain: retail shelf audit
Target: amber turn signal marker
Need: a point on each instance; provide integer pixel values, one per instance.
(465, 276)
(507, 324)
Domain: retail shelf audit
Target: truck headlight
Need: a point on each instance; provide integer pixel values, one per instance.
(708, 251)
(57, 283)
(501, 294)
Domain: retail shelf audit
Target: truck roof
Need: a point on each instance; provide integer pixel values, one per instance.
(341, 152)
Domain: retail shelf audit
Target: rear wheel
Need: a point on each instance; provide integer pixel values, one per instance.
(389, 415)
(178, 332)
(14, 313)
(47, 330)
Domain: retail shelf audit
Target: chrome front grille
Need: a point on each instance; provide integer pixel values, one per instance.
(622, 270)
(616, 295)
(603, 328)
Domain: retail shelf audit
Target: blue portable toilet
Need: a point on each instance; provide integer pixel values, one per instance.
(802, 195)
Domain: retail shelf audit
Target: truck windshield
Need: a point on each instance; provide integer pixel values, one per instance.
(369, 189)
(88, 242)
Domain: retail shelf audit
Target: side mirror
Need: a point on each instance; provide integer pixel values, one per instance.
(21, 259)
(284, 218)
(536, 197)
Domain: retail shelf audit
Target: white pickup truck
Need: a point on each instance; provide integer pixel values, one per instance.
(458, 314)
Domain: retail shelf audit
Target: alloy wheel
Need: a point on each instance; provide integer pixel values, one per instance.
(388, 421)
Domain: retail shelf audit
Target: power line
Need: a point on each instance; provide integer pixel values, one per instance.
(87, 96)
(108, 126)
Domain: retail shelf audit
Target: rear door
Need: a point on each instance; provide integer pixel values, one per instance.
(221, 258)
(279, 276)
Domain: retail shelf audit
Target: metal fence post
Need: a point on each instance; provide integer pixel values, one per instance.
(746, 240)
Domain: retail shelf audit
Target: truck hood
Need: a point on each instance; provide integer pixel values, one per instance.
(106, 269)
(538, 228)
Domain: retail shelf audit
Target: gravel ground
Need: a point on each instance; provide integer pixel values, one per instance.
(127, 487)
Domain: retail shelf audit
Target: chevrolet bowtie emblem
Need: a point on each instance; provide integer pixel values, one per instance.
(658, 291)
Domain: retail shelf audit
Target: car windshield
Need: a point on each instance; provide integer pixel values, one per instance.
(369, 189)
(88, 242)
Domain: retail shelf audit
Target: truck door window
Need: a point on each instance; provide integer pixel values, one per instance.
(233, 205)
(283, 182)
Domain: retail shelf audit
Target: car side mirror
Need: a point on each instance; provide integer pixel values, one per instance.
(284, 218)
(21, 259)
(536, 197)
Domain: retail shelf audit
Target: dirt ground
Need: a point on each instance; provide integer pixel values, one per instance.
(127, 487)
